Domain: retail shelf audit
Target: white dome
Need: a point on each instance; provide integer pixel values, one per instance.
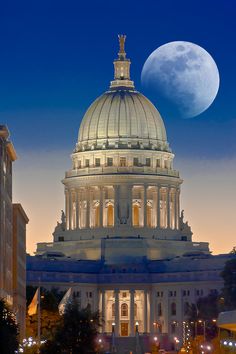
(122, 117)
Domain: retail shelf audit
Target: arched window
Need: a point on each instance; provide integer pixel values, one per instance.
(173, 309)
(159, 309)
(110, 215)
(124, 310)
(113, 310)
(135, 215)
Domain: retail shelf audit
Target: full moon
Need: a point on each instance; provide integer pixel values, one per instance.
(182, 77)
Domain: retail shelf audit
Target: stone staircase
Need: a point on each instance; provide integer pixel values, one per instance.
(127, 345)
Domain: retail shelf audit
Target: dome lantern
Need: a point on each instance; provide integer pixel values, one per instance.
(122, 68)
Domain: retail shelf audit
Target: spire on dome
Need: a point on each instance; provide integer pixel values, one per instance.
(122, 67)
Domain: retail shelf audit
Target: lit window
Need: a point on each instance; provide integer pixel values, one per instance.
(124, 310)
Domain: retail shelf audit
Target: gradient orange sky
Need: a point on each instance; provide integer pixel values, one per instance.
(208, 196)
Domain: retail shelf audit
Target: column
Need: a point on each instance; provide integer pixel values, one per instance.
(116, 204)
(67, 208)
(145, 311)
(152, 311)
(168, 206)
(131, 312)
(130, 202)
(155, 206)
(177, 208)
(103, 311)
(179, 313)
(117, 312)
(101, 207)
(88, 208)
(165, 311)
(144, 206)
(76, 209)
(70, 209)
(158, 207)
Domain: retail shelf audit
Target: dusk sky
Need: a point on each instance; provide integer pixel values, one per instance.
(57, 57)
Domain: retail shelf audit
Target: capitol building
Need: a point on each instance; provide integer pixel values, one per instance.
(123, 245)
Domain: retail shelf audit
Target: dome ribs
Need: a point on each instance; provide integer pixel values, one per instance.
(101, 126)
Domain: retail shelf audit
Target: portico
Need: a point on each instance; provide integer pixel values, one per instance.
(125, 310)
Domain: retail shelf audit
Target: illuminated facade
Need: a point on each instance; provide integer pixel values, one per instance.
(122, 184)
(122, 243)
(13, 222)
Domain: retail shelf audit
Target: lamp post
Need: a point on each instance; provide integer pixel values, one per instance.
(113, 338)
(136, 327)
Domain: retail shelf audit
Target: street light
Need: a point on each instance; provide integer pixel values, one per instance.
(113, 327)
(136, 326)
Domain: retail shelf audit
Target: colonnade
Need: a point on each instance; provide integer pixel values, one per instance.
(136, 205)
(132, 321)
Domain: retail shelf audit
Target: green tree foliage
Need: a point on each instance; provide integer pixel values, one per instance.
(8, 330)
(76, 332)
(229, 290)
(49, 312)
(203, 313)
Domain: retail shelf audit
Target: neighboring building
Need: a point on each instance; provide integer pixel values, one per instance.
(122, 244)
(7, 156)
(13, 222)
(20, 220)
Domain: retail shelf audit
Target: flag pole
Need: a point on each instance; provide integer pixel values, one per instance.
(39, 319)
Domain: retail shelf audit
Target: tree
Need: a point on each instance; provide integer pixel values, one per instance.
(229, 289)
(49, 312)
(8, 330)
(203, 313)
(76, 332)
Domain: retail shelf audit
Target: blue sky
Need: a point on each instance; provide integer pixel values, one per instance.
(56, 58)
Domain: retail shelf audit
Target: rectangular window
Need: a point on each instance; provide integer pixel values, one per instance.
(109, 161)
(123, 161)
(135, 161)
(158, 163)
(61, 238)
(97, 162)
(148, 162)
(87, 163)
(79, 163)
(166, 164)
